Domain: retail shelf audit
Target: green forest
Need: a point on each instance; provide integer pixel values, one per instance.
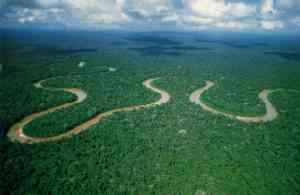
(174, 148)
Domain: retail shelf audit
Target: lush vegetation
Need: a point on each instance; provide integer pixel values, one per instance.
(176, 148)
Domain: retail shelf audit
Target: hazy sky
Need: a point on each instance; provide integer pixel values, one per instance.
(233, 15)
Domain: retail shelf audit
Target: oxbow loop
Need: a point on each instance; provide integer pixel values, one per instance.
(16, 132)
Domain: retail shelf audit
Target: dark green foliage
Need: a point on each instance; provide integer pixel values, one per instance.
(171, 51)
(155, 50)
(287, 55)
(227, 43)
(57, 51)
